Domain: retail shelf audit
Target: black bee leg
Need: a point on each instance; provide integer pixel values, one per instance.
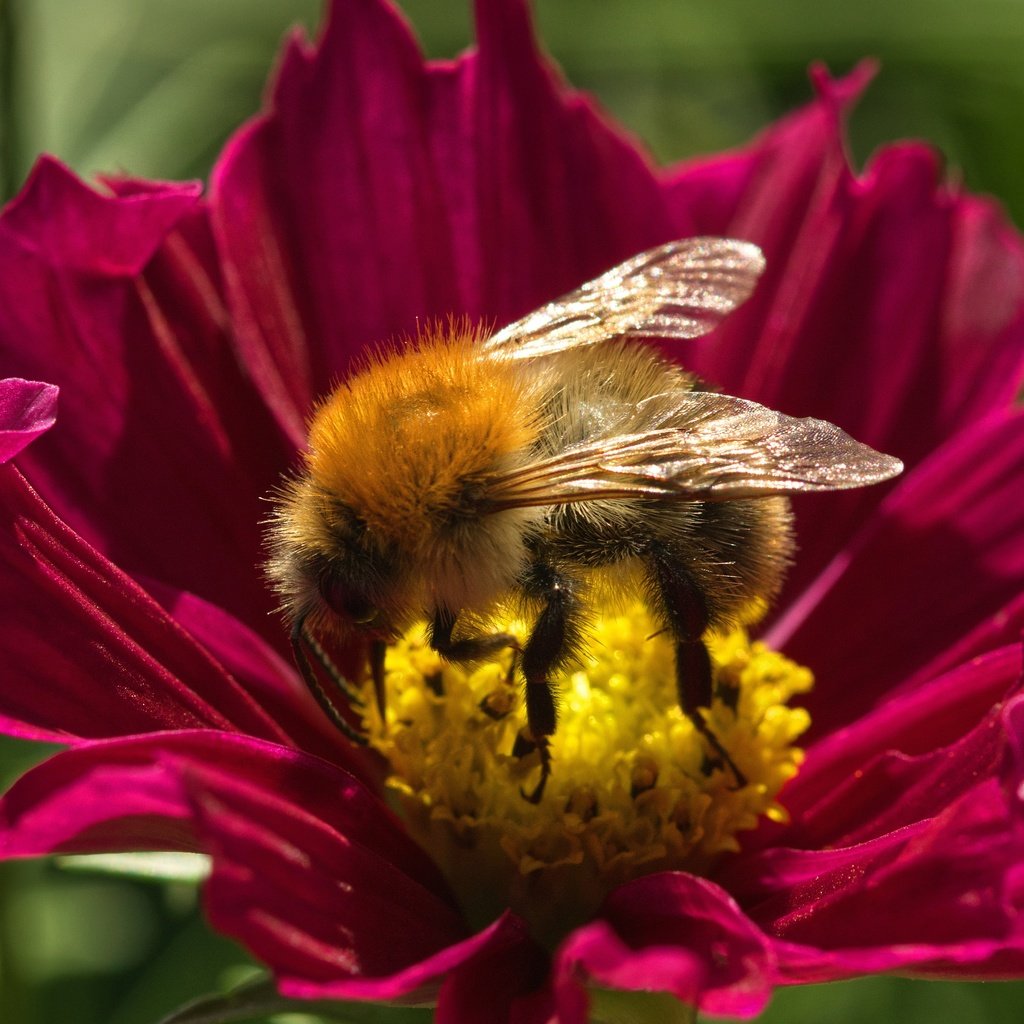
(541, 717)
(687, 615)
(470, 648)
(300, 636)
(554, 636)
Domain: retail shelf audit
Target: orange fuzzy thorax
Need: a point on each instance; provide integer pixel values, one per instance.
(407, 442)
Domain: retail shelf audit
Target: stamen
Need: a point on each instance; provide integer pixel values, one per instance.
(631, 788)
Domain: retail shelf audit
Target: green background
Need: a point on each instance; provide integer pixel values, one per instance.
(153, 87)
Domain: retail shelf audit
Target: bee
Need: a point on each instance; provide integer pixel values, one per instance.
(464, 468)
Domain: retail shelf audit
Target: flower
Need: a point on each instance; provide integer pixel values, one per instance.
(189, 334)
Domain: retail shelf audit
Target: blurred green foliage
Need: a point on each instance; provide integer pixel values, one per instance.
(153, 87)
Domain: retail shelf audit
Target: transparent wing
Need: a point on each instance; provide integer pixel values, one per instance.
(678, 290)
(718, 448)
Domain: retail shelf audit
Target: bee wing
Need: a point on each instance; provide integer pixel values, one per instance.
(718, 448)
(678, 290)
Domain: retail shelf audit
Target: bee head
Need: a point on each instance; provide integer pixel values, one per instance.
(328, 569)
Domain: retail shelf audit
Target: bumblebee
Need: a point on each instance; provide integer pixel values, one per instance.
(464, 469)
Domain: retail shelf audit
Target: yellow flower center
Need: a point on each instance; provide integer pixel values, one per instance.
(633, 788)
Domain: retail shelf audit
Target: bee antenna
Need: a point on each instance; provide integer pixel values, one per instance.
(351, 695)
(299, 637)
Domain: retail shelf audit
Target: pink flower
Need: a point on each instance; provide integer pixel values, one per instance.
(189, 334)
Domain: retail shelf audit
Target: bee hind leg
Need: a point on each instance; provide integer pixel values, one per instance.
(687, 615)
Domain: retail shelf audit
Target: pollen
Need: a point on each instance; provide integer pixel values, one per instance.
(634, 788)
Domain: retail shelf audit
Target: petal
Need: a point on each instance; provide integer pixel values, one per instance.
(378, 192)
(505, 937)
(940, 897)
(273, 682)
(558, 194)
(1013, 771)
(27, 409)
(892, 305)
(1004, 626)
(99, 797)
(675, 933)
(907, 761)
(163, 450)
(948, 544)
(310, 871)
(64, 223)
(503, 983)
(313, 892)
(86, 651)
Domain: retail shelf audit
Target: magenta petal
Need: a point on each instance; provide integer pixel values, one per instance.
(326, 910)
(708, 193)
(949, 542)
(905, 760)
(273, 682)
(940, 896)
(309, 869)
(503, 982)
(378, 192)
(107, 796)
(557, 194)
(1013, 772)
(894, 782)
(27, 409)
(982, 316)
(163, 450)
(86, 652)
(506, 936)
(972, 960)
(1004, 626)
(66, 224)
(676, 933)
(595, 954)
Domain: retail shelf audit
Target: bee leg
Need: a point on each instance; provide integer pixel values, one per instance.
(470, 648)
(687, 616)
(527, 744)
(554, 635)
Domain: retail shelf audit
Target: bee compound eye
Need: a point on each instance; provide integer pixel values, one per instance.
(362, 614)
(347, 602)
